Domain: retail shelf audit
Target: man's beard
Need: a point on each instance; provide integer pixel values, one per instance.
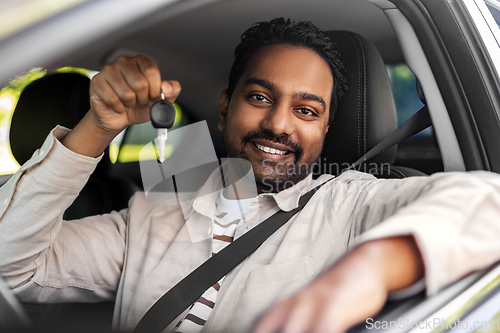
(271, 176)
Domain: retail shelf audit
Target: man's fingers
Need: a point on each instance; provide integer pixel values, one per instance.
(101, 89)
(151, 72)
(331, 319)
(137, 82)
(302, 316)
(301, 313)
(123, 92)
(171, 89)
(274, 319)
(116, 80)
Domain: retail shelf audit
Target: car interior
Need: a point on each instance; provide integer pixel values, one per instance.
(367, 114)
(193, 42)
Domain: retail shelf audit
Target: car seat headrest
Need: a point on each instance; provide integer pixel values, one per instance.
(55, 99)
(367, 112)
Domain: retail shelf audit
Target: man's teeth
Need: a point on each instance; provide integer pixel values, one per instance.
(270, 150)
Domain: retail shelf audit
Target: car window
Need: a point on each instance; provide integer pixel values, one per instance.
(9, 96)
(494, 7)
(404, 89)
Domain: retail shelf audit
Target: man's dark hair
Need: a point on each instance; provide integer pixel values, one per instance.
(279, 31)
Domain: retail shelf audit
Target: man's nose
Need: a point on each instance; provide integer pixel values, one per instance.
(278, 119)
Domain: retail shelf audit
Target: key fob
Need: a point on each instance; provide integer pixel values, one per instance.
(162, 114)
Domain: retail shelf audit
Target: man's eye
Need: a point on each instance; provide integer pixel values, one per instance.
(259, 97)
(306, 112)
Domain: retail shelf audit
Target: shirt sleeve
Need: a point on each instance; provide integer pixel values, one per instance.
(453, 217)
(44, 258)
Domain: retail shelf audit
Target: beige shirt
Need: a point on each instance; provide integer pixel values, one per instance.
(139, 253)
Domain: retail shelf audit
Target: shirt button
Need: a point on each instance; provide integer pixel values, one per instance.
(41, 151)
(6, 201)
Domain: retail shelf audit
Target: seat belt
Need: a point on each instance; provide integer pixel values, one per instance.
(189, 290)
(416, 123)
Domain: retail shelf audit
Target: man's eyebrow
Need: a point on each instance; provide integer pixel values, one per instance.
(311, 97)
(271, 86)
(263, 83)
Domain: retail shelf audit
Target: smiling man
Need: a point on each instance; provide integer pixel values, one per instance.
(283, 90)
(277, 115)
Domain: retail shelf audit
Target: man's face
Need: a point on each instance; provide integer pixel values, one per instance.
(277, 117)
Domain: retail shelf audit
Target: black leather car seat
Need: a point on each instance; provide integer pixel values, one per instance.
(63, 99)
(366, 114)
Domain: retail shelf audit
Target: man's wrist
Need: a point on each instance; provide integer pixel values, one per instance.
(88, 138)
(396, 260)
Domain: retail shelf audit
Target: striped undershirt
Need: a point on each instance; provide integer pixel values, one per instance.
(228, 214)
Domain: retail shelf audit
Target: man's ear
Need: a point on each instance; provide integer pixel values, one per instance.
(223, 106)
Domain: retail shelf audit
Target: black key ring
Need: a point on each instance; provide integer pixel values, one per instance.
(162, 114)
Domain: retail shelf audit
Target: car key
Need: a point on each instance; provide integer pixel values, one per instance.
(162, 117)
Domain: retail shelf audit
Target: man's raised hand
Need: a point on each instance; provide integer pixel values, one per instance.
(120, 95)
(123, 92)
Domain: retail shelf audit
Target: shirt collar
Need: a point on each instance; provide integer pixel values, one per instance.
(203, 201)
(288, 199)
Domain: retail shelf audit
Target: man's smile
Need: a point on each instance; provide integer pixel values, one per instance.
(272, 147)
(272, 151)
